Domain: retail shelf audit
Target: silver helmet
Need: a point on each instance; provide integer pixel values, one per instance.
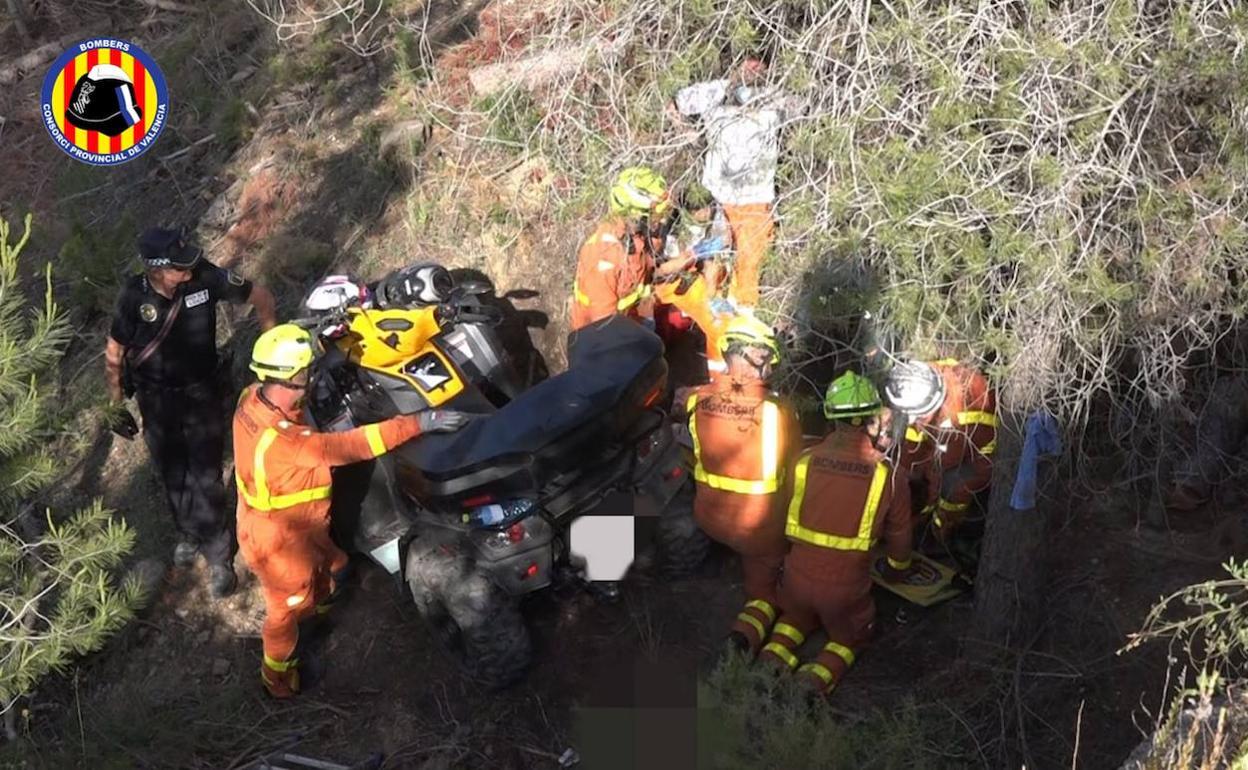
(914, 388)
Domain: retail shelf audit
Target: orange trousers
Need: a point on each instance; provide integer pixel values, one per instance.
(294, 561)
(751, 526)
(812, 600)
(753, 228)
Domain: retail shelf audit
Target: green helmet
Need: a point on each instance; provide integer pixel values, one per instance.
(639, 191)
(851, 395)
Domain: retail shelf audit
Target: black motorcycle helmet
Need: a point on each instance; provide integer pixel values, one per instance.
(416, 286)
(104, 100)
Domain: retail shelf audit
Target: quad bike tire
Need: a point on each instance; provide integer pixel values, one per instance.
(682, 545)
(478, 624)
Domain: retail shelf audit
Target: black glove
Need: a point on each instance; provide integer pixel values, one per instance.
(441, 421)
(125, 425)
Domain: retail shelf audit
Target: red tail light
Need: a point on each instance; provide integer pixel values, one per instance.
(674, 473)
(516, 533)
(473, 502)
(530, 571)
(653, 396)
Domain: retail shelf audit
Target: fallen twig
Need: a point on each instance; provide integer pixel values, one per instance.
(185, 150)
(170, 5)
(37, 58)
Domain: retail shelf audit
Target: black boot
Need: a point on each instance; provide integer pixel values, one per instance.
(222, 581)
(184, 554)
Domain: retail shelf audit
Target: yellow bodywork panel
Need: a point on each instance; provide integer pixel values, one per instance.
(391, 341)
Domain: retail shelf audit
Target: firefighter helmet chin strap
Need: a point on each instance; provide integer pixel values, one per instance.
(759, 361)
(281, 384)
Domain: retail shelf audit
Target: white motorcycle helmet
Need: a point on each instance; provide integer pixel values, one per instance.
(914, 389)
(338, 292)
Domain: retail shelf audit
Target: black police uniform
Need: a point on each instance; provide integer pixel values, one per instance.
(179, 398)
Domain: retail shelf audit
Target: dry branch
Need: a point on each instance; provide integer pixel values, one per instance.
(10, 73)
(170, 5)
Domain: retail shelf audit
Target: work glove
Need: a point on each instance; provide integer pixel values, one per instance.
(441, 421)
(124, 425)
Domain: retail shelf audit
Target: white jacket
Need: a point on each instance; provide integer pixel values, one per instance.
(743, 144)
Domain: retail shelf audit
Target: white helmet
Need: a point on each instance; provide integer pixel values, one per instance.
(337, 292)
(914, 389)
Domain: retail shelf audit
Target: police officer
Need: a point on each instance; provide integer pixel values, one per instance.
(162, 348)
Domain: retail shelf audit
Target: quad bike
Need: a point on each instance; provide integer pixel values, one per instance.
(473, 521)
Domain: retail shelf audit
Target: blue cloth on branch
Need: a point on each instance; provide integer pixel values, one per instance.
(1042, 439)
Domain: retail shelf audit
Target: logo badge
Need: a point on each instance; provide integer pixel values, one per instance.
(147, 312)
(105, 101)
(196, 299)
(429, 372)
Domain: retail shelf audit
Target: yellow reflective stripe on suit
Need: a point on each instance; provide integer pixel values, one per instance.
(262, 500)
(754, 623)
(977, 417)
(375, 441)
(784, 629)
(841, 651)
(777, 649)
(819, 670)
(793, 526)
(771, 468)
(641, 292)
(764, 607)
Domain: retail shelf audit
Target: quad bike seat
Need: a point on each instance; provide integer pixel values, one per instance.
(608, 362)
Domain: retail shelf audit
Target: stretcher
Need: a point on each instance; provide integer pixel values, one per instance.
(928, 582)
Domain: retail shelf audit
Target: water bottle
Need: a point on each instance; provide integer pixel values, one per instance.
(487, 515)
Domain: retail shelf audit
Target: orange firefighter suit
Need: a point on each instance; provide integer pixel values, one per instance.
(951, 448)
(753, 227)
(691, 295)
(845, 497)
(743, 440)
(614, 271)
(284, 486)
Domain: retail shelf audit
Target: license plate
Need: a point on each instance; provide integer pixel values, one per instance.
(606, 543)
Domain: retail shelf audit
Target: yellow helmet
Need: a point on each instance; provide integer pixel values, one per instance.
(282, 352)
(748, 331)
(639, 191)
